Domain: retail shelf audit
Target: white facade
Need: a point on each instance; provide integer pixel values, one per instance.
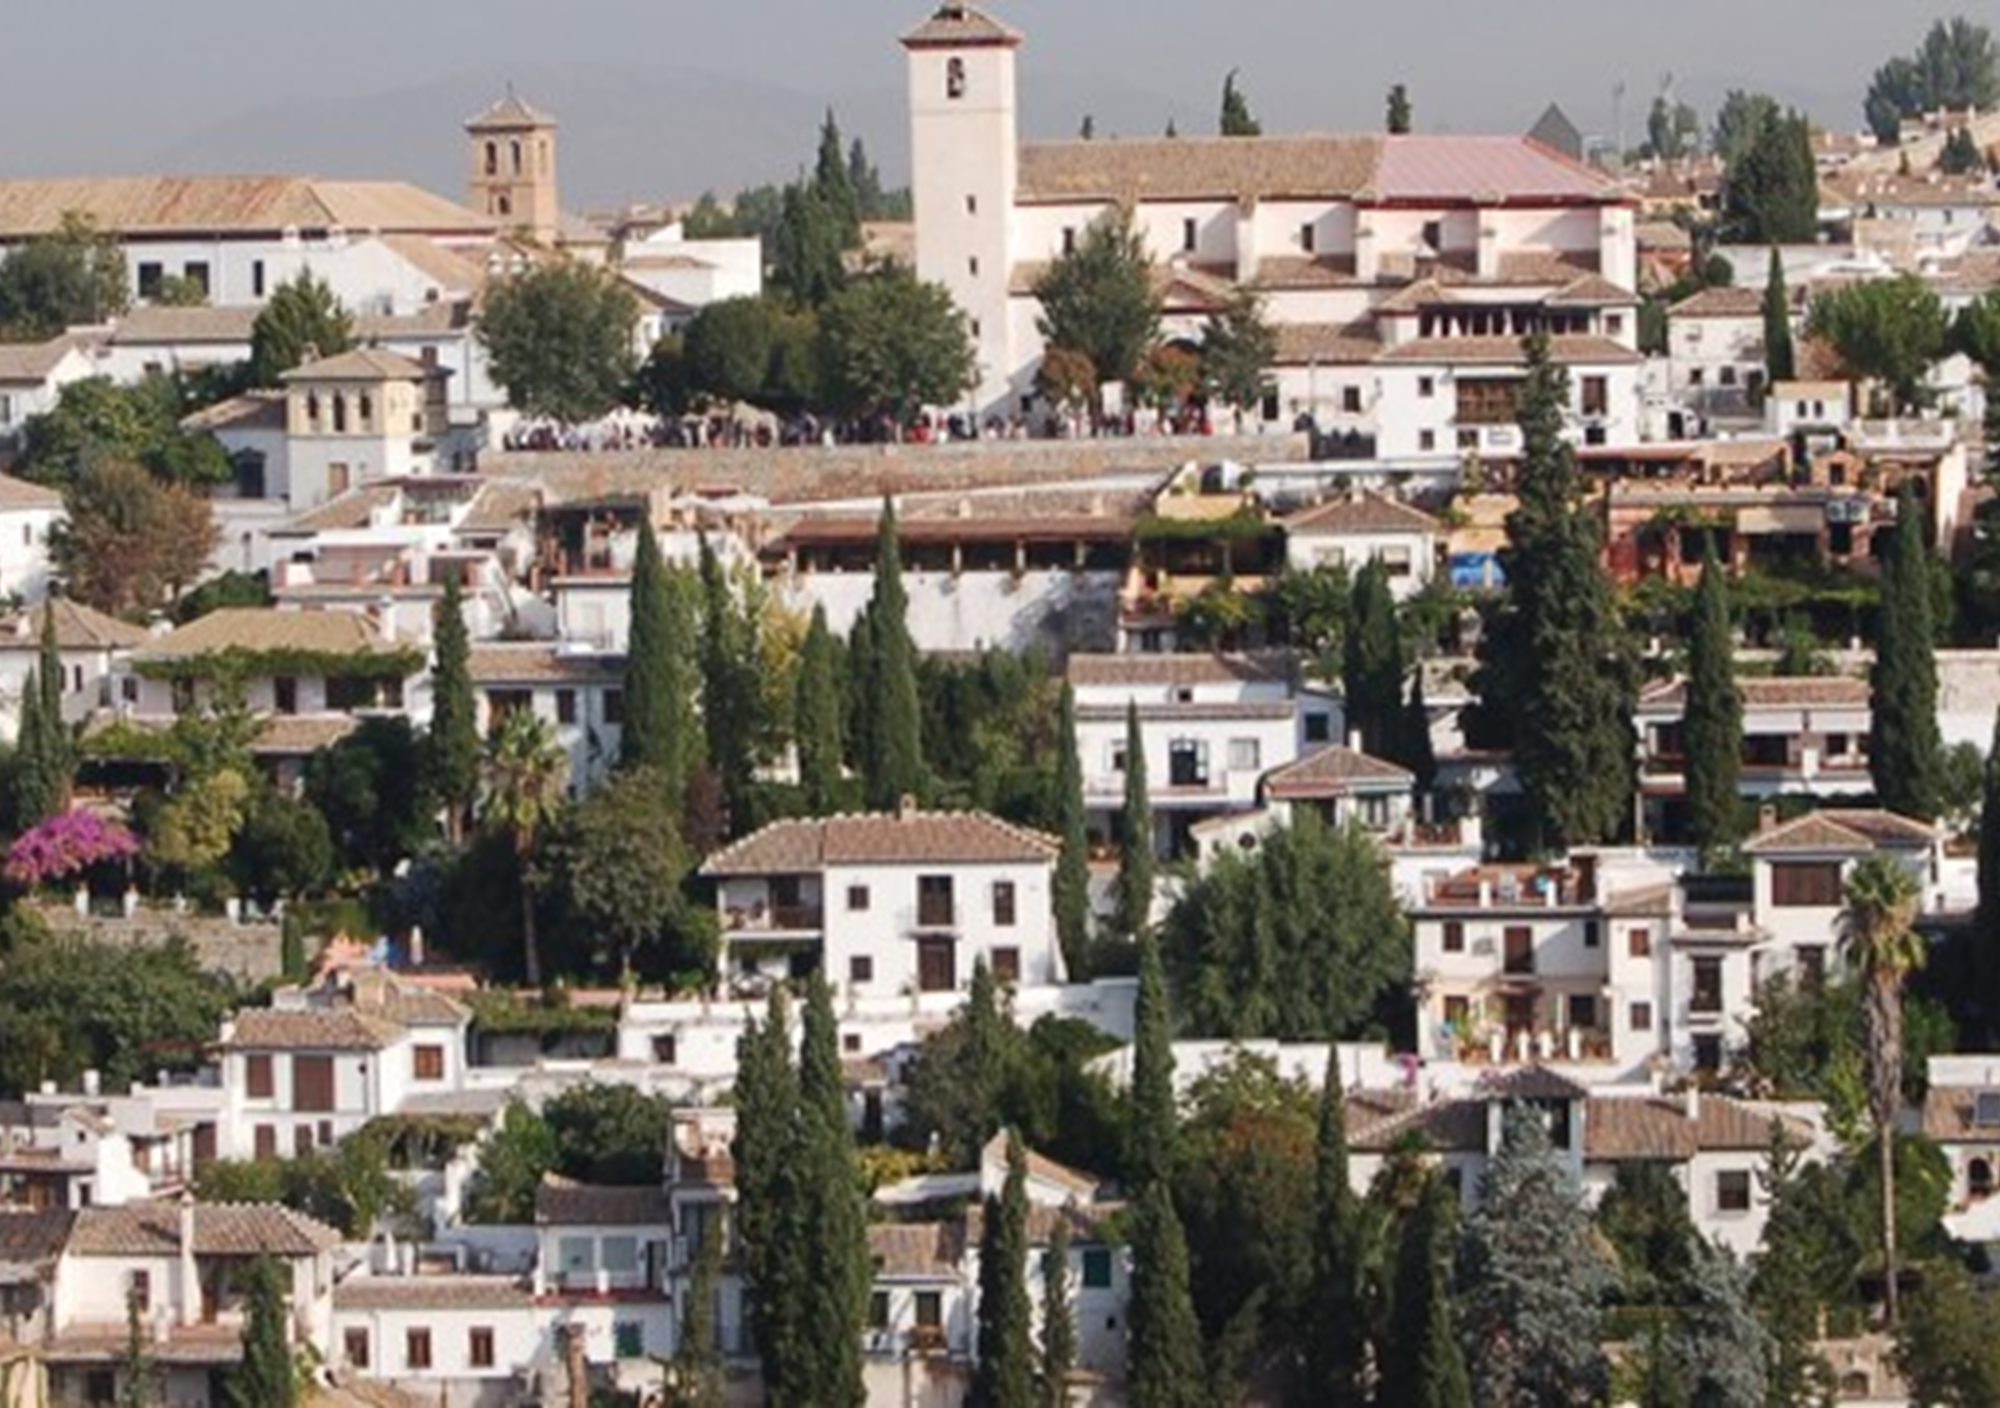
(29, 516)
(32, 378)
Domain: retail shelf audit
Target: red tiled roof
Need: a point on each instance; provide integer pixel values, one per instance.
(1333, 772)
(881, 838)
(432, 1293)
(1507, 351)
(928, 1251)
(1482, 169)
(220, 1229)
(339, 1029)
(956, 23)
(564, 1202)
(1773, 692)
(1841, 831)
(1265, 667)
(1364, 513)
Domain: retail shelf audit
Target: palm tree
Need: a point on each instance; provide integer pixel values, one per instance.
(1881, 905)
(521, 789)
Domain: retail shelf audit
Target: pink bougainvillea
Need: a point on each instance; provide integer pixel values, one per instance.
(67, 845)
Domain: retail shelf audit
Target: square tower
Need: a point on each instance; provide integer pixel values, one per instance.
(514, 168)
(964, 172)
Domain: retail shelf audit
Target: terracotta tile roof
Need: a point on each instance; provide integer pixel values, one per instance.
(1189, 168)
(1735, 301)
(77, 629)
(31, 362)
(1591, 291)
(564, 1202)
(361, 364)
(1483, 169)
(335, 1029)
(354, 509)
(956, 23)
(882, 838)
(1363, 513)
(1217, 710)
(1772, 692)
(151, 323)
(1331, 344)
(220, 1229)
(1334, 772)
(1297, 271)
(1841, 831)
(300, 735)
(253, 410)
(432, 1293)
(256, 628)
(1567, 349)
(1413, 297)
(1642, 899)
(500, 506)
(1090, 1223)
(533, 663)
(1446, 1126)
(1267, 667)
(227, 205)
(1532, 1083)
(1620, 1128)
(30, 1238)
(454, 272)
(1043, 1167)
(1526, 266)
(202, 1346)
(442, 317)
(921, 1251)
(510, 111)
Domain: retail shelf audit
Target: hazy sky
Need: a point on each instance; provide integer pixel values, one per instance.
(666, 97)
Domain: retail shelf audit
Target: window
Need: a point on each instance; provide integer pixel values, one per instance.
(576, 1257)
(1350, 400)
(1096, 1268)
(1812, 967)
(492, 158)
(1454, 936)
(1069, 239)
(428, 1062)
(141, 1290)
(1007, 965)
(1319, 728)
(878, 1310)
(1187, 762)
(417, 1349)
(257, 1080)
(1707, 995)
(285, 694)
(1244, 755)
(857, 899)
(1190, 236)
(565, 706)
(1727, 376)
(930, 1309)
(1806, 885)
(1003, 904)
(1639, 943)
(302, 1140)
(628, 1339)
(954, 78)
(934, 906)
(1434, 234)
(503, 204)
(937, 965)
(1583, 1011)
(614, 706)
(1427, 386)
(618, 1254)
(479, 1347)
(339, 413)
(312, 1084)
(1427, 440)
(514, 154)
(256, 278)
(150, 276)
(1592, 934)
(355, 1343)
(196, 273)
(1520, 949)
(1641, 1015)
(1486, 401)
(1695, 376)
(972, 205)
(850, 1043)
(1732, 1190)
(264, 1142)
(367, 410)
(1708, 1053)
(972, 266)
(1614, 324)
(667, 1049)
(1308, 237)
(861, 968)
(1596, 396)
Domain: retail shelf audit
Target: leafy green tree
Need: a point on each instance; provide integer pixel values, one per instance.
(283, 850)
(1956, 67)
(1072, 877)
(818, 729)
(1784, 1288)
(1780, 362)
(1985, 936)
(1644, 1216)
(1770, 191)
(1738, 121)
(1004, 1374)
(1399, 116)
(1236, 120)
(1557, 666)
(451, 747)
(958, 1083)
(178, 291)
(1300, 940)
(1153, 1138)
(660, 733)
(1713, 720)
(610, 1133)
(131, 543)
(807, 248)
(1961, 155)
(1721, 1351)
(893, 721)
(1888, 330)
(1532, 1277)
(1948, 1346)
(834, 1216)
(1337, 1350)
(1237, 349)
(1135, 849)
(1374, 664)
(1884, 949)
(1419, 754)
(892, 345)
(1163, 1337)
(1905, 751)
(95, 420)
(370, 788)
(522, 779)
(1423, 1366)
(559, 339)
(267, 1376)
(511, 1167)
(619, 863)
(1058, 1356)
(301, 322)
(44, 763)
(732, 705)
(1672, 129)
(71, 276)
(1098, 300)
(727, 349)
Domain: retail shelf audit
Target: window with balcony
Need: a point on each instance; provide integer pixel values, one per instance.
(1486, 401)
(1707, 993)
(934, 902)
(1187, 763)
(937, 965)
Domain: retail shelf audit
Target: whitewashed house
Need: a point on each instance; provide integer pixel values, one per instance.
(91, 647)
(32, 378)
(1715, 347)
(29, 516)
(579, 694)
(1350, 533)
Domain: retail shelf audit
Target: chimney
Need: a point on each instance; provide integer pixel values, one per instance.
(416, 948)
(92, 1082)
(1767, 818)
(906, 809)
(1693, 1096)
(1354, 740)
(190, 1281)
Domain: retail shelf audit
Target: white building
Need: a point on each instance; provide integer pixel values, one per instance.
(29, 516)
(90, 646)
(32, 378)
(1350, 533)
(579, 694)
(1400, 270)
(1715, 347)
(1961, 1115)
(884, 904)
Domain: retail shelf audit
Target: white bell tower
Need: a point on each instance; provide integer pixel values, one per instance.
(964, 165)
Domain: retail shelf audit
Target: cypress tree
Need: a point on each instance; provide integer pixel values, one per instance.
(839, 1273)
(1236, 120)
(60, 746)
(1780, 363)
(817, 726)
(1424, 1367)
(1373, 664)
(1713, 720)
(833, 183)
(659, 728)
(1135, 855)
(697, 1357)
(766, 1155)
(1072, 878)
(1905, 752)
(729, 697)
(863, 738)
(1986, 917)
(31, 776)
(451, 748)
(1337, 1352)
(1163, 1338)
(266, 1377)
(1005, 1373)
(1418, 754)
(1058, 1320)
(895, 713)
(138, 1374)
(1154, 1133)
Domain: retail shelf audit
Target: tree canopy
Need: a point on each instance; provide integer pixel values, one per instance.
(893, 345)
(1236, 120)
(132, 543)
(1770, 192)
(1098, 299)
(1956, 67)
(72, 276)
(559, 337)
(1888, 330)
(302, 320)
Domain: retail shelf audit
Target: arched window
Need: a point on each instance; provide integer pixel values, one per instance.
(339, 413)
(503, 205)
(367, 412)
(492, 158)
(1980, 1177)
(954, 78)
(312, 408)
(516, 154)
